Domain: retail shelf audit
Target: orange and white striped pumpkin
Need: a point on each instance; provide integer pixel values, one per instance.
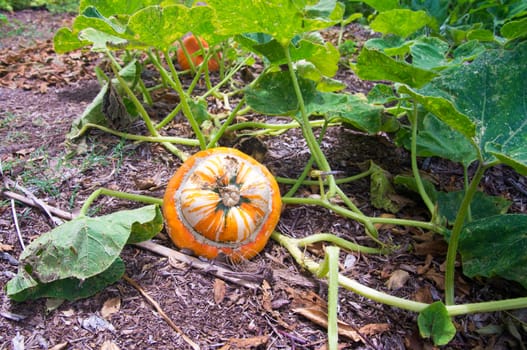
(222, 201)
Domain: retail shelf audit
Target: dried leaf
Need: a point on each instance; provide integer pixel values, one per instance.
(110, 307)
(422, 269)
(320, 317)
(246, 343)
(109, 345)
(374, 328)
(424, 295)
(219, 290)
(397, 280)
(267, 297)
(436, 277)
(59, 346)
(5, 247)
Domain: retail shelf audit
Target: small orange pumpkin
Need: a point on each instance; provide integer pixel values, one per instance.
(222, 201)
(192, 46)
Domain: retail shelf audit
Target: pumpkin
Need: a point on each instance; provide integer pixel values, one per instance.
(192, 47)
(221, 201)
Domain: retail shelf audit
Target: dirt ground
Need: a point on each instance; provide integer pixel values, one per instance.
(41, 93)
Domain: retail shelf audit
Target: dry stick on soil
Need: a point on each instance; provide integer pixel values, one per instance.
(160, 311)
(15, 219)
(251, 281)
(37, 202)
(28, 201)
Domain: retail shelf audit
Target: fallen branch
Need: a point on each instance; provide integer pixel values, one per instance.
(248, 280)
(28, 201)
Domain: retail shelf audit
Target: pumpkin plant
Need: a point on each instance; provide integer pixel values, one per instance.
(209, 206)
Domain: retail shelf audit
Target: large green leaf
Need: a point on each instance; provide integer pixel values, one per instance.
(496, 246)
(515, 29)
(81, 249)
(283, 20)
(437, 139)
(311, 48)
(491, 91)
(482, 205)
(159, 27)
(24, 287)
(401, 22)
(117, 7)
(376, 65)
(273, 94)
(65, 41)
(354, 110)
(444, 109)
(380, 5)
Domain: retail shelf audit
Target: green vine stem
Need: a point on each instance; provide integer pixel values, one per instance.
(117, 194)
(415, 169)
(361, 217)
(217, 135)
(384, 298)
(456, 232)
(330, 269)
(169, 117)
(141, 109)
(134, 137)
(173, 80)
(338, 241)
(309, 136)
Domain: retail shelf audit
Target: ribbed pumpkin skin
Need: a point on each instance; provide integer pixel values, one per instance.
(191, 45)
(222, 201)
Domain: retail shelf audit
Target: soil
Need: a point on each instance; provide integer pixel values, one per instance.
(42, 93)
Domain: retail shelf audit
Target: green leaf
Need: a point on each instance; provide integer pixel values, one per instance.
(161, 27)
(65, 41)
(101, 41)
(437, 139)
(283, 20)
(146, 228)
(444, 110)
(491, 93)
(435, 323)
(391, 45)
(381, 94)
(381, 5)
(269, 96)
(496, 246)
(324, 56)
(354, 110)
(376, 65)
(429, 53)
(401, 22)
(515, 29)
(24, 287)
(116, 7)
(273, 93)
(81, 249)
(482, 205)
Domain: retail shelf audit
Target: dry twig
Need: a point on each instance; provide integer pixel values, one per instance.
(160, 311)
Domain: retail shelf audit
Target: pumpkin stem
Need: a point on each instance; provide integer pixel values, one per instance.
(230, 195)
